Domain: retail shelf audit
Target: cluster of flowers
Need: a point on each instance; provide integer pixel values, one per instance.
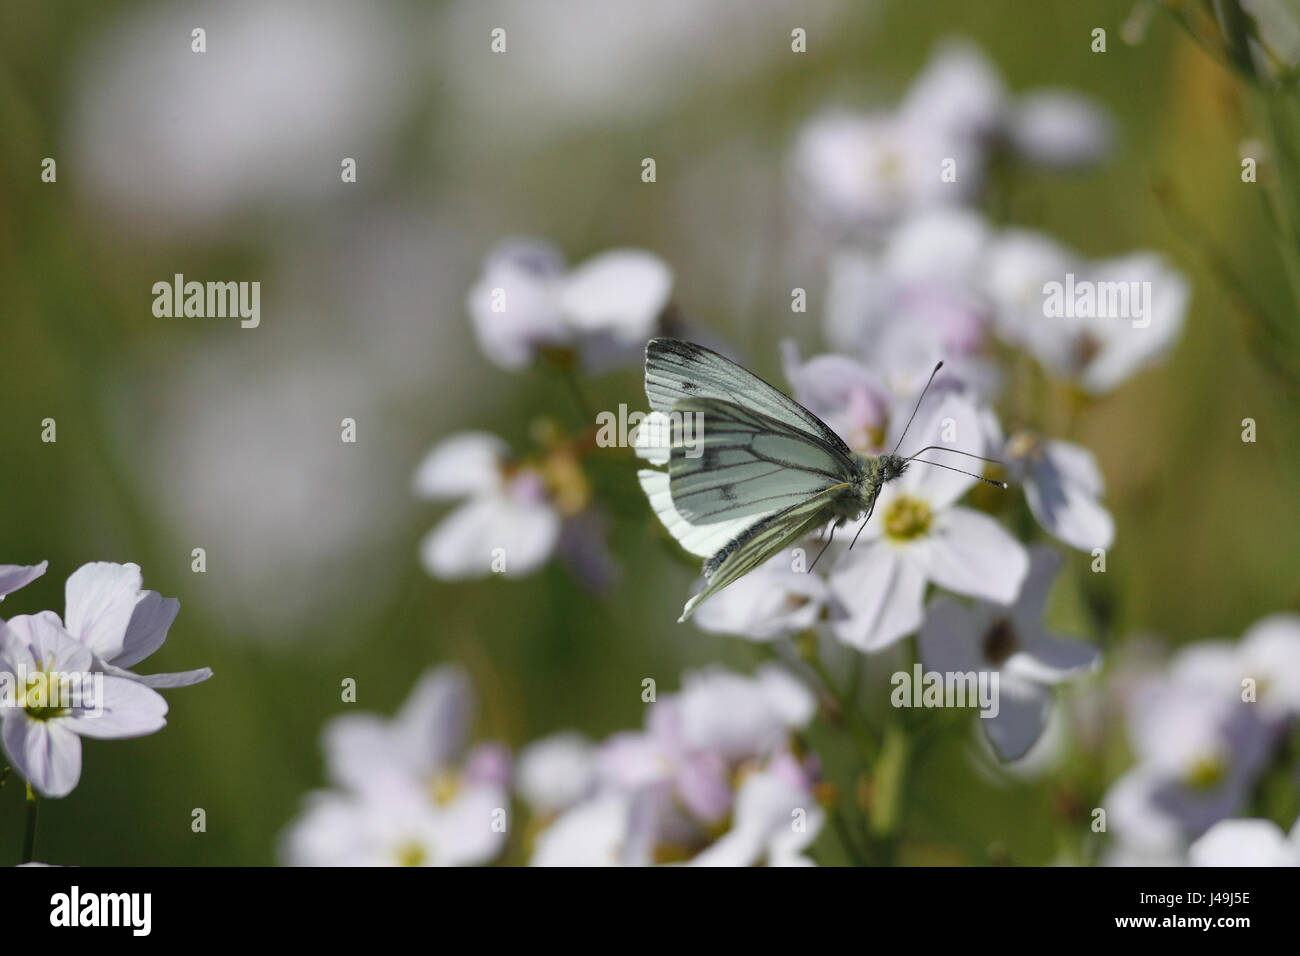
(1211, 732)
(110, 624)
(716, 778)
(919, 275)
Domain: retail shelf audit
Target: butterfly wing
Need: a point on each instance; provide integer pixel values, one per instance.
(704, 540)
(729, 462)
(676, 370)
(757, 543)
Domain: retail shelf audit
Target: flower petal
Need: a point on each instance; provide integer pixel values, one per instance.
(464, 464)
(1020, 719)
(44, 752)
(620, 293)
(129, 710)
(970, 553)
(101, 598)
(150, 621)
(882, 593)
(15, 576)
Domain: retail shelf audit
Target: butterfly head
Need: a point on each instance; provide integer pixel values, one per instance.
(891, 466)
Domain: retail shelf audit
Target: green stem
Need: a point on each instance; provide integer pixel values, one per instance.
(29, 835)
(859, 731)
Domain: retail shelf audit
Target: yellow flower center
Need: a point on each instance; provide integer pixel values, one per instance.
(444, 787)
(45, 694)
(1205, 773)
(907, 518)
(410, 854)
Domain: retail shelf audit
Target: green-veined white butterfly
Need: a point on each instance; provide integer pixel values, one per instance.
(765, 472)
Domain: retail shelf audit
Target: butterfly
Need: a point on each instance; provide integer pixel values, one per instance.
(759, 471)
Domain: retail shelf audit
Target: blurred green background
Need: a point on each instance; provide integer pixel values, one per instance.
(175, 434)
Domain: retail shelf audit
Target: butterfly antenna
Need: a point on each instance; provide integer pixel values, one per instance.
(824, 547)
(918, 406)
(960, 471)
(955, 451)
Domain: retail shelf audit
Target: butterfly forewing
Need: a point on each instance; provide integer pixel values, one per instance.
(676, 370)
(742, 463)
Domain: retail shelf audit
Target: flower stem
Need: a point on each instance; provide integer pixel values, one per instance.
(29, 835)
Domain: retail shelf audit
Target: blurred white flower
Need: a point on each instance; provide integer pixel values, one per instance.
(710, 774)
(172, 139)
(871, 171)
(612, 828)
(411, 793)
(739, 717)
(1246, 843)
(590, 64)
(42, 736)
(396, 827)
(15, 576)
(526, 300)
(868, 171)
(915, 302)
(1059, 128)
(1012, 641)
(1198, 755)
(917, 534)
(556, 772)
(1080, 341)
(508, 521)
(109, 611)
(1268, 656)
(772, 601)
(776, 818)
(846, 394)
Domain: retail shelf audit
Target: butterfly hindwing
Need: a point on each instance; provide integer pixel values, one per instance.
(759, 542)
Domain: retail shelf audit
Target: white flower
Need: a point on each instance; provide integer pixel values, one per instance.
(772, 601)
(776, 818)
(613, 828)
(395, 827)
(15, 576)
(694, 740)
(556, 772)
(411, 793)
(1059, 128)
(844, 393)
(1058, 307)
(508, 518)
(1062, 486)
(915, 302)
(108, 610)
(1199, 750)
(917, 535)
(1013, 642)
(42, 734)
(739, 717)
(871, 170)
(526, 301)
(1246, 843)
(1268, 655)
